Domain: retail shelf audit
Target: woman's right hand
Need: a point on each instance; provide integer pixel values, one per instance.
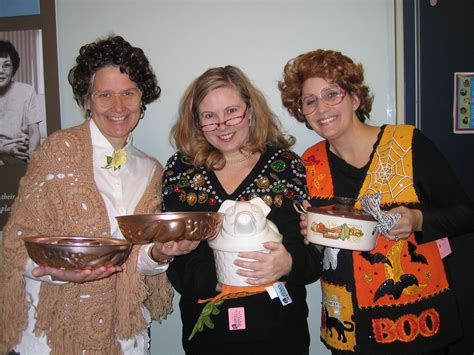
(304, 227)
(16, 147)
(77, 276)
(304, 222)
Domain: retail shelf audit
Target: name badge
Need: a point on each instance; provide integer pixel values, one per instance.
(236, 318)
(444, 247)
(282, 293)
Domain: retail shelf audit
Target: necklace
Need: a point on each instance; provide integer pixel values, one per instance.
(240, 160)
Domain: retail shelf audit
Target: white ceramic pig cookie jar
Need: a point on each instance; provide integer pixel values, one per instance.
(245, 228)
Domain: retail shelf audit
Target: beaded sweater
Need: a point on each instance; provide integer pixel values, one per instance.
(277, 178)
(58, 196)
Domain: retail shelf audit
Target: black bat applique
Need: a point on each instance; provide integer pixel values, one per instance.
(375, 258)
(415, 257)
(390, 287)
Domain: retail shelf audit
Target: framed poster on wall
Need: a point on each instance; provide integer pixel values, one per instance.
(29, 94)
(463, 102)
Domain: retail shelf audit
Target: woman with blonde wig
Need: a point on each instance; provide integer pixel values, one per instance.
(230, 147)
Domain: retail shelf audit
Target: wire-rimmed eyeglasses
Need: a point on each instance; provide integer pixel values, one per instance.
(106, 98)
(331, 95)
(231, 121)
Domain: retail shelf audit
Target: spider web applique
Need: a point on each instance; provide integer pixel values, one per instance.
(388, 174)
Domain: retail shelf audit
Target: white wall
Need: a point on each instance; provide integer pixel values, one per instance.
(182, 38)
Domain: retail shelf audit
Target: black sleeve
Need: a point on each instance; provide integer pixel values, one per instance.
(193, 275)
(306, 259)
(447, 210)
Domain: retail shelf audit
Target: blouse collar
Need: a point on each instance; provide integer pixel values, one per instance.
(101, 145)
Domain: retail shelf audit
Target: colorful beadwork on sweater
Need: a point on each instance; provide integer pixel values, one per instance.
(282, 176)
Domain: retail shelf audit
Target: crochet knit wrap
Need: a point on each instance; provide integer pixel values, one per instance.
(58, 196)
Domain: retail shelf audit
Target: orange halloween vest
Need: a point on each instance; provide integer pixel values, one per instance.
(391, 174)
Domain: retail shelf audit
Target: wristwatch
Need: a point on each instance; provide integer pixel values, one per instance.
(160, 262)
(164, 262)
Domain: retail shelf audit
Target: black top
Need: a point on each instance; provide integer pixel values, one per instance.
(271, 328)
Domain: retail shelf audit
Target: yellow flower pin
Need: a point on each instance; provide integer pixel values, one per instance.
(116, 160)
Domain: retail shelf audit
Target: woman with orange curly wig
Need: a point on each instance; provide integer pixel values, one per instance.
(396, 298)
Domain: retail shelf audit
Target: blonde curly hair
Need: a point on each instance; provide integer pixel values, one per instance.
(265, 129)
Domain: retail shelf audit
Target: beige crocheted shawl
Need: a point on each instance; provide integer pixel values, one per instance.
(58, 196)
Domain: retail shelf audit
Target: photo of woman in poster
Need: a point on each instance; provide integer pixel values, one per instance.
(20, 111)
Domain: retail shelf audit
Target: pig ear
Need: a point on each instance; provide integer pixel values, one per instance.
(259, 202)
(226, 204)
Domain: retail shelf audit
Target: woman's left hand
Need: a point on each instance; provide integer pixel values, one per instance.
(265, 267)
(411, 220)
(173, 248)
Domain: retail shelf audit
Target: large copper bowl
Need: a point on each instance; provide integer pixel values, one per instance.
(167, 226)
(76, 252)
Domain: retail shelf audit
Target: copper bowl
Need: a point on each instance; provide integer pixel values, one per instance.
(75, 252)
(167, 226)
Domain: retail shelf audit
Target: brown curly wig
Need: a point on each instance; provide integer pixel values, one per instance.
(113, 50)
(329, 65)
(264, 129)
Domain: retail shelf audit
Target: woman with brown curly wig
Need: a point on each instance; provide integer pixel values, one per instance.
(395, 299)
(78, 180)
(230, 147)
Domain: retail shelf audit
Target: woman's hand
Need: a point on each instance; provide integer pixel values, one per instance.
(304, 222)
(265, 267)
(16, 147)
(77, 276)
(162, 251)
(411, 220)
